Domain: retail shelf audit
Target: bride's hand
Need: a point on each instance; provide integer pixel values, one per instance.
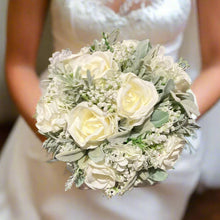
(25, 23)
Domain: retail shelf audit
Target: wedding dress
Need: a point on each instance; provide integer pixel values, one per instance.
(32, 189)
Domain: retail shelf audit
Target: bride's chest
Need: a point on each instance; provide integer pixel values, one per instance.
(160, 20)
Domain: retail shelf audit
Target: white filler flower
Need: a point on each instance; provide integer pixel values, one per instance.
(90, 125)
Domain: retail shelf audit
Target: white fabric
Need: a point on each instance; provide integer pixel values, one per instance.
(32, 189)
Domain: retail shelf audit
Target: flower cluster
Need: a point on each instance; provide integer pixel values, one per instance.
(117, 113)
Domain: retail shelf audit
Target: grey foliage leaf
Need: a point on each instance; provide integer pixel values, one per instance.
(159, 118)
(89, 78)
(69, 183)
(186, 100)
(96, 155)
(119, 137)
(70, 156)
(173, 95)
(113, 36)
(154, 79)
(77, 177)
(79, 181)
(167, 89)
(141, 51)
(142, 129)
(128, 184)
(157, 175)
(186, 95)
(82, 162)
(52, 161)
(51, 145)
(190, 107)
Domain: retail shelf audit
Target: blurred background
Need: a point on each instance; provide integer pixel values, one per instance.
(203, 205)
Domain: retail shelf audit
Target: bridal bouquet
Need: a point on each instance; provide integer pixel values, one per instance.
(117, 113)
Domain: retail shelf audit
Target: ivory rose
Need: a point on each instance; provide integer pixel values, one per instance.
(136, 98)
(97, 63)
(90, 125)
(50, 118)
(99, 176)
(165, 66)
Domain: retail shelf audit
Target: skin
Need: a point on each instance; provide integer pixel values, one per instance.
(206, 87)
(25, 23)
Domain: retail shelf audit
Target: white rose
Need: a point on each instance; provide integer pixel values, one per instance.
(136, 98)
(59, 56)
(97, 63)
(60, 61)
(171, 152)
(165, 66)
(90, 125)
(65, 56)
(99, 176)
(50, 118)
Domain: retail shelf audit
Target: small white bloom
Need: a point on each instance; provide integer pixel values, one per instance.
(165, 66)
(99, 176)
(171, 152)
(89, 125)
(127, 155)
(49, 117)
(60, 56)
(136, 98)
(182, 79)
(130, 43)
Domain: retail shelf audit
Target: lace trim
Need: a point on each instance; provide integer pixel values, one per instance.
(128, 5)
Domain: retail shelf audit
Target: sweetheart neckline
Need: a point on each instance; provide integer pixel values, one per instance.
(99, 3)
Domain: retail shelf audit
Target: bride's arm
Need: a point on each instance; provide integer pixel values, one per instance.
(207, 86)
(24, 28)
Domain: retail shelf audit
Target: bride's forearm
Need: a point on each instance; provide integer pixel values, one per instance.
(207, 87)
(24, 29)
(23, 85)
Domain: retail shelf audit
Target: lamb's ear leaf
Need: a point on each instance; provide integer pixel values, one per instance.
(113, 36)
(119, 137)
(142, 129)
(190, 107)
(157, 175)
(70, 156)
(167, 89)
(142, 49)
(96, 155)
(159, 118)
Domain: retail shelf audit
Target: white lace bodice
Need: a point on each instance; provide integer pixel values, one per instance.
(77, 23)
